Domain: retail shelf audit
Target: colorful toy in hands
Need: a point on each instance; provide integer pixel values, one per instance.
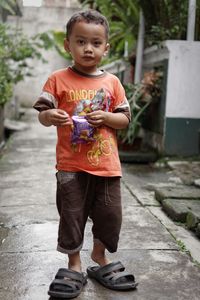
(83, 132)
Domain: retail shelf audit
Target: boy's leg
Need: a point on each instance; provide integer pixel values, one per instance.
(98, 254)
(71, 204)
(74, 262)
(106, 214)
(72, 189)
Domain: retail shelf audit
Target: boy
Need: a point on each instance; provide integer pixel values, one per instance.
(86, 105)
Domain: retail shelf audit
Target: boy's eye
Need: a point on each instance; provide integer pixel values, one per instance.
(97, 43)
(81, 42)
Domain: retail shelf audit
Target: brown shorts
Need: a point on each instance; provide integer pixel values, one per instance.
(80, 195)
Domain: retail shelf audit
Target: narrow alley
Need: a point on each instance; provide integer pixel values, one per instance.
(29, 220)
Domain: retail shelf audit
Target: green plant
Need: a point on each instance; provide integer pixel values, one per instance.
(55, 39)
(140, 96)
(9, 7)
(166, 19)
(183, 247)
(15, 51)
(123, 17)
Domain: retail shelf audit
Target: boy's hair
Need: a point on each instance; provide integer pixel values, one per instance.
(88, 16)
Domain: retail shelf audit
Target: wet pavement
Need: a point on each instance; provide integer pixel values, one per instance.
(163, 255)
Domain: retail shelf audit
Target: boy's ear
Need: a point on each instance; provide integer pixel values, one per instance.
(106, 49)
(66, 45)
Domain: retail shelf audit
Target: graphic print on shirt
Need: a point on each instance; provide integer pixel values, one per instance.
(103, 146)
(101, 101)
(84, 133)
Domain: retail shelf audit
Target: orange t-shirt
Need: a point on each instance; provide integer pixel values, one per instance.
(77, 94)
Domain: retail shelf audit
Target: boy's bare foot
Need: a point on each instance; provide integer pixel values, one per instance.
(98, 255)
(110, 275)
(76, 268)
(100, 260)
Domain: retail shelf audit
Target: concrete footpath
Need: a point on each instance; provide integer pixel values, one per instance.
(163, 255)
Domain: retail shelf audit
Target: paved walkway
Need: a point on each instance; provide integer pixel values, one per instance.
(149, 245)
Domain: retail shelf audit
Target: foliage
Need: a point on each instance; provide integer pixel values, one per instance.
(9, 7)
(167, 19)
(55, 39)
(140, 96)
(164, 19)
(123, 17)
(182, 247)
(15, 50)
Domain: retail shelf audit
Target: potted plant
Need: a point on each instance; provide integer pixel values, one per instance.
(140, 96)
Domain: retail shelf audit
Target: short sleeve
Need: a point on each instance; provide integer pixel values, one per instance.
(47, 98)
(121, 103)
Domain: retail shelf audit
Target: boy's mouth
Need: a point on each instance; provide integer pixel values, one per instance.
(88, 57)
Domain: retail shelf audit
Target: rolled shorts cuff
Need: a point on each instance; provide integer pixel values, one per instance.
(66, 251)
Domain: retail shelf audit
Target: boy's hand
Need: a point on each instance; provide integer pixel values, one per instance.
(56, 117)
(97, 118)
(113, 120)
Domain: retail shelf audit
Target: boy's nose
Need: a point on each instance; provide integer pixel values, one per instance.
(88, 48)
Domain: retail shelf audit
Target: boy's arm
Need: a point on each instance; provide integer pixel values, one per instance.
(56, 117)
(114, 120)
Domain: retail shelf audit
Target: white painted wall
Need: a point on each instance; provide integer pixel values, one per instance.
(183, 85)
(183, 79)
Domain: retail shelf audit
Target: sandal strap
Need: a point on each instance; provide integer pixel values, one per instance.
(65, 284)
(62, 273)
(112, 267)
(120, 275)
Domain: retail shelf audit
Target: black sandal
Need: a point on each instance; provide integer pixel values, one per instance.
(113, 276)
(67, 284)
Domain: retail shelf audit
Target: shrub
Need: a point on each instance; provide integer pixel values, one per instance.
(15, 50)
(140, 96)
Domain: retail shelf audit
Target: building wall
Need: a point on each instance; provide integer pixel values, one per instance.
(183, 85)
(181, 111)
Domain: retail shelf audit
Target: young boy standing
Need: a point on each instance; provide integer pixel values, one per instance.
(87, 105)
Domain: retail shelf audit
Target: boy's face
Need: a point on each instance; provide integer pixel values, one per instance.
(87, 44)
